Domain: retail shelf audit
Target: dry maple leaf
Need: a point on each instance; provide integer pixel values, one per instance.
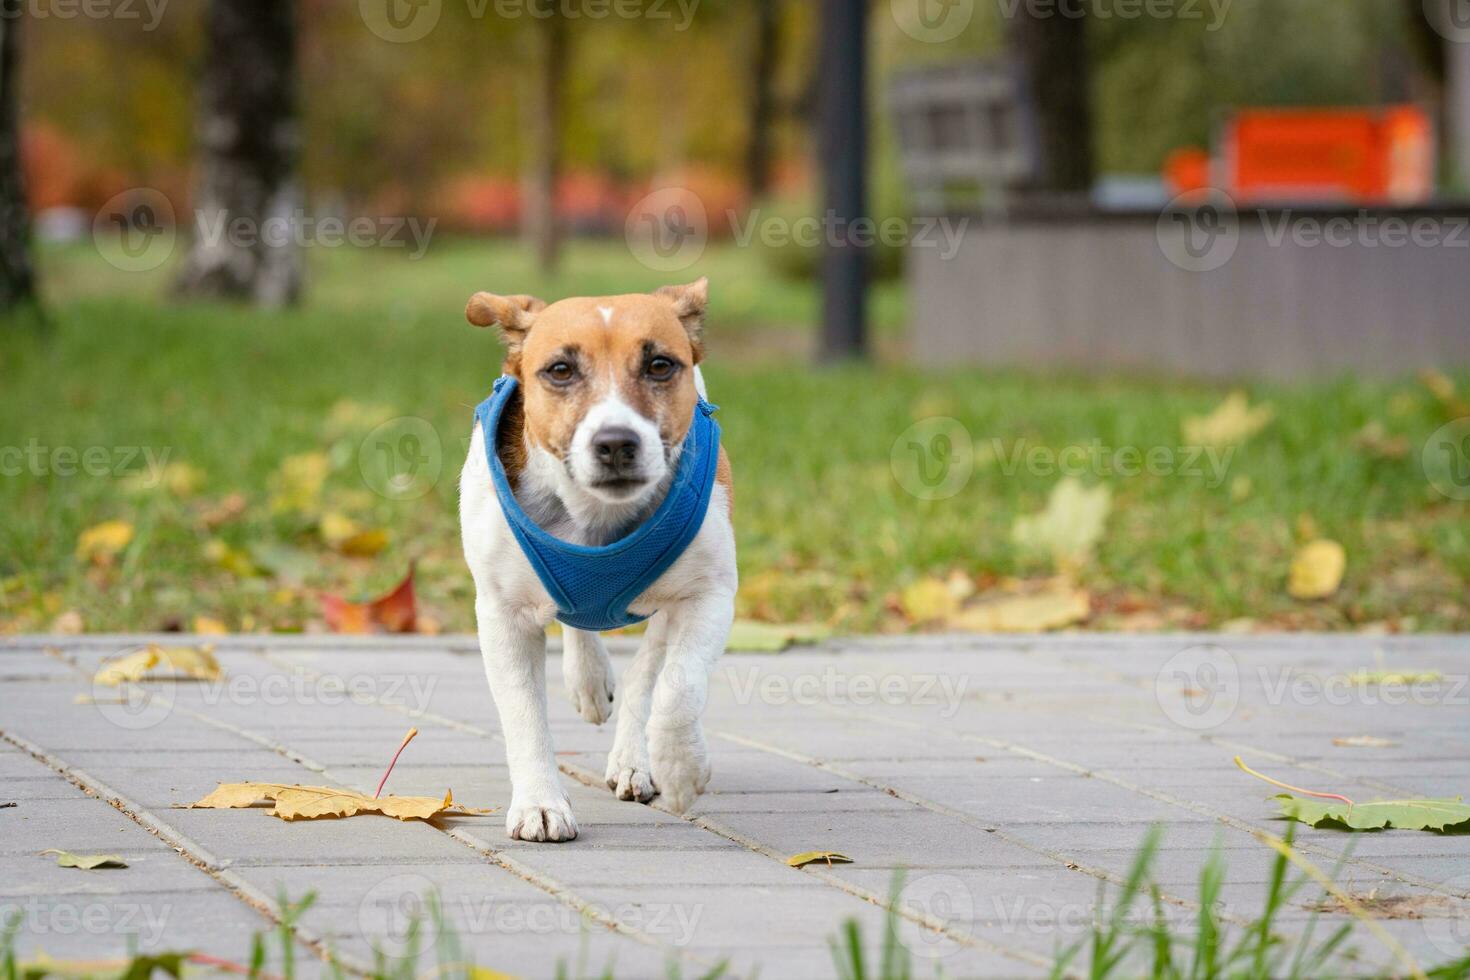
(747, 635)
(1364, 742)
(314, 802)
(87, 862)
(394, 612)
(1039, 613)
(157, 661)
(812, 857)
(928, 599)
(1232, 422)
(1070, 526)
(102, 542)
(1317, 570)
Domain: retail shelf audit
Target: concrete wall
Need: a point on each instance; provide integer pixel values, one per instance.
(1256, 296)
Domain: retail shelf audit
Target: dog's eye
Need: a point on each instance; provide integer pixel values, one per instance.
(661, 368)
(560, 373)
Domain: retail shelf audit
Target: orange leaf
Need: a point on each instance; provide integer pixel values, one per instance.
(394, 612)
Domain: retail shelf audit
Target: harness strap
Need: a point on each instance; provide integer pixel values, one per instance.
(593, 586)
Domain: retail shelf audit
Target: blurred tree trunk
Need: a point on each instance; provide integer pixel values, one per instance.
(247, 197)
(17, 280)
(762, 103)
(539, 221)
(1051, 48)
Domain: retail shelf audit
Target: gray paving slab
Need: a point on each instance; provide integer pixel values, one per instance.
(1008, 780)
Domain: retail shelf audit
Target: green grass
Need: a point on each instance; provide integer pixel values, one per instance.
(825, 530)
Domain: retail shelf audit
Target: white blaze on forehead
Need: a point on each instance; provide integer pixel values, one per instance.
(607, 312)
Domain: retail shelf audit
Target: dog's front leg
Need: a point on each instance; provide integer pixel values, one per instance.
(588, 674)
(629, 773)
(698, 630)
(514, 648)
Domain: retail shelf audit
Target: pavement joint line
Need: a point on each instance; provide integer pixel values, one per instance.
(1244, 747)
(188, 849)
(935, 807)
(1107, 673)
(591, 779)
(1127, 680)
(1232, 822)
(930, 922)
(545, 883)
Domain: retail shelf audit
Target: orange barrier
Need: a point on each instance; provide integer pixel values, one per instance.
(1353, 155)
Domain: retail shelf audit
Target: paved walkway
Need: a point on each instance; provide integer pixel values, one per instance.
(1013, 777)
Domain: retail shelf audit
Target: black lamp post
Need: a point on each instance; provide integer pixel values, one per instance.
(843, 155)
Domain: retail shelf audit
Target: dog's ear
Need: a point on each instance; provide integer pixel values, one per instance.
(689, 302)
(514, 315)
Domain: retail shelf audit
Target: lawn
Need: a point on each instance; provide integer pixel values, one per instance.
(226, 396)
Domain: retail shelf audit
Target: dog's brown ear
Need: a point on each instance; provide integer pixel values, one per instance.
(689, 302)
(514, 315)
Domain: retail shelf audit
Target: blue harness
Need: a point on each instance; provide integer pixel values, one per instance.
(592, 586)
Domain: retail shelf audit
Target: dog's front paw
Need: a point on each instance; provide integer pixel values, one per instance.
(630, 781)
(589, 681)
(681, 767)
(545, 818)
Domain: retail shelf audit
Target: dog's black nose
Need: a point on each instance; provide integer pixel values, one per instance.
(616, 448)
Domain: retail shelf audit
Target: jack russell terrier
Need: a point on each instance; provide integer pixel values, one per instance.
(596, 493)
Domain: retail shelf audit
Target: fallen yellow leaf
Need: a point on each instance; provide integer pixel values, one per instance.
(209, 626)
(297, 483)
(1069, 527)
(1393, 678)
(1443, 390)
(811, 857)
(364, 544)
(1364, 742)
(231, 559)
(344, 534)
(87, 862)
(751, 636)
(1317, 570)
(1038, 613)
(190, 662)
(927, 600)
(336, 527)
(102, 542)
(313, 802)
(69, 623)
(1232, 422)
(485, 973)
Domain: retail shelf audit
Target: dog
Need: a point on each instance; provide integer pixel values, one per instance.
(594, 426)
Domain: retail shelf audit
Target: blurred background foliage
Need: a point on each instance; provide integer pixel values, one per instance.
(109, 106)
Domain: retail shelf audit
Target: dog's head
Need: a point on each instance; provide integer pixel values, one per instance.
(608, 383)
